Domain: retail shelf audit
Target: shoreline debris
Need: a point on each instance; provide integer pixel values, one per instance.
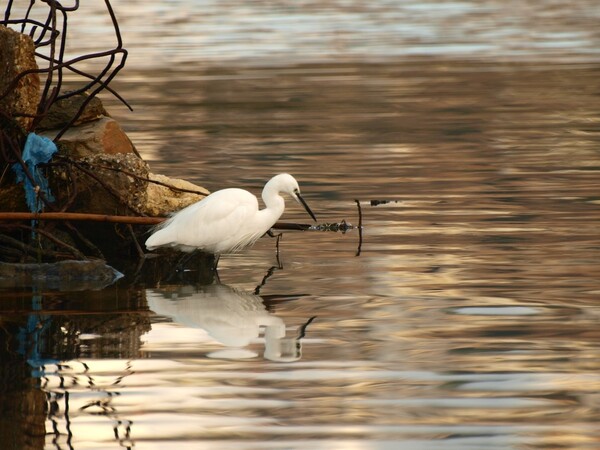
(96, 169)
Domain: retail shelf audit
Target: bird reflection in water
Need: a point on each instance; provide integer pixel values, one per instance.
(232, 317)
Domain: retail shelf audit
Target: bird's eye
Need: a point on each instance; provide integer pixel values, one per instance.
(296, 191)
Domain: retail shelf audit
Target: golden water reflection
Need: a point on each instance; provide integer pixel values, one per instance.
(415, 365)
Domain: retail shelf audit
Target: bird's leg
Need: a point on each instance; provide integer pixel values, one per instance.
(278, 236)
(180, 267)
(179, 270)
(214, 267)
(215, 262)
(277, 245)
(279, 263)
(271, 234)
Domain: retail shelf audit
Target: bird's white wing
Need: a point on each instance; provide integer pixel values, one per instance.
(208, 223)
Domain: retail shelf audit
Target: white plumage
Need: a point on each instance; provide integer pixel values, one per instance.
(228, 220)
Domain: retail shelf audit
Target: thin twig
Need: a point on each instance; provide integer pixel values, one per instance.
(68, 216)
(138, 247)
(90, 245)
(57, 241)
(359, 228)
(133, 220)
(27, 249)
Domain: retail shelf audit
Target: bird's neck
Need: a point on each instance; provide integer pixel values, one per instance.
(274, 207)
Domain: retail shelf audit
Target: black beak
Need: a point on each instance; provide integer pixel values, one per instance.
(306, 207)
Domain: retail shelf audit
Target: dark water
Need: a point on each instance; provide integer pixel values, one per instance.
(470, 134)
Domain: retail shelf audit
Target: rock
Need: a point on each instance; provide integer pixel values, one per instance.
(17, 56)
(61, 112)
(103, 149)
(162, 200)
(102, 136)
(63, 275)
(124, 174)
(127, 177)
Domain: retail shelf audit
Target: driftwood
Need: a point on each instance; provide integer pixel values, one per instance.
(131, 220)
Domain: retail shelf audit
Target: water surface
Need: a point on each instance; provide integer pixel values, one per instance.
(470, 136)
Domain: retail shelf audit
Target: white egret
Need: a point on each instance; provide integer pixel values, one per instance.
(228, 220)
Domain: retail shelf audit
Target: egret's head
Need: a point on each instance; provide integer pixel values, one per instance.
(288, 184)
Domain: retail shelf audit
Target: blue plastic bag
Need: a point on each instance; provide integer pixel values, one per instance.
(38, 150)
